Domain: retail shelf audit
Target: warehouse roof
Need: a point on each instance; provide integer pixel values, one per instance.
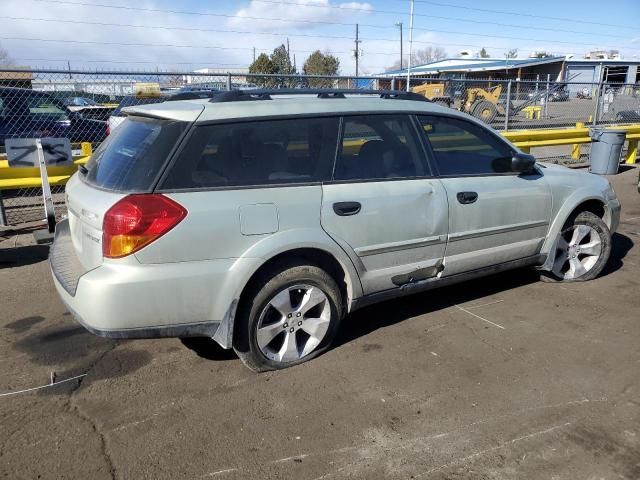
(472, 65)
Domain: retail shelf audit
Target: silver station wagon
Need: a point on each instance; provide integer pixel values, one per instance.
(262, 218)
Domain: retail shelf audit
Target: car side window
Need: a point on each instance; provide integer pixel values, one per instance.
(377, 147)
(266, 152)
(464, 148)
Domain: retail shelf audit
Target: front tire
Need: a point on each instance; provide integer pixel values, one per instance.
(485, 111)
(289, 315)
(583, 248)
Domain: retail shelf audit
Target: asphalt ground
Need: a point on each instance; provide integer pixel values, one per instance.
(501, 378)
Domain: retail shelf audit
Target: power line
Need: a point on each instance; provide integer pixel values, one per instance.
(214, 47)
(182, 12)
(164, 27)
(285, 34)
(83, 60)
(330, 23)
(511, 25)
(520, 14)
(442, 4)
(135, 62)
(188, 29)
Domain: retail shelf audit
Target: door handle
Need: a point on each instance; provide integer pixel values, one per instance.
(345, 209)
(467, 197)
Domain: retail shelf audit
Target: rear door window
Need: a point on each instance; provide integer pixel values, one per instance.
(266, 152)
(134, 154)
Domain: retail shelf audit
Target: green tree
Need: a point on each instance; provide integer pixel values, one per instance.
(483, 53)
(279, 62)
(319, 63)
(263, 64)
(282, 63)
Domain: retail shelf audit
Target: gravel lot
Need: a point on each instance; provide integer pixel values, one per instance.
(501, 378)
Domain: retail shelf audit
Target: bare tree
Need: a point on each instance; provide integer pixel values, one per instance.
(428, 55)
(425, 55)
(513, 53)
(5, 58)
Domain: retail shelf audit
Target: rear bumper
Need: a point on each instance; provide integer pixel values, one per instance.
(132, 300)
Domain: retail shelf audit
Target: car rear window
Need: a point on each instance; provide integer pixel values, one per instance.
(133, 155)
(256, 153)
(131, 101)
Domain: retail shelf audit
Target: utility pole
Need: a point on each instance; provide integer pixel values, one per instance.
(399, 25)
(410, 47)
(254, 54)
(357, 50)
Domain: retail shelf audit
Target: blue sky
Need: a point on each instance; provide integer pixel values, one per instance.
(224, 33)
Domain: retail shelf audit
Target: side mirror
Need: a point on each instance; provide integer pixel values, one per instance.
(522, 162)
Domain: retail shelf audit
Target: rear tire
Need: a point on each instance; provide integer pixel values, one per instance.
(582, 250)
(289, 315)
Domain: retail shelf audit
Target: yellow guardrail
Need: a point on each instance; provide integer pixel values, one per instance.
(528, 139)
(28, 177)
(13, 178)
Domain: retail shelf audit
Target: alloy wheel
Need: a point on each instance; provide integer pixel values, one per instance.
(293, 323)
(578, 250)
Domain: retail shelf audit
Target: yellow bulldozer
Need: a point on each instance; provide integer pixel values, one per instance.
(434, 92)
(483, 103)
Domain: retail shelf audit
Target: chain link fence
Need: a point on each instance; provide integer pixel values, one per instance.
(83, 106)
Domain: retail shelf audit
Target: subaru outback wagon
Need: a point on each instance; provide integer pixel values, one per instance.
(261, 220)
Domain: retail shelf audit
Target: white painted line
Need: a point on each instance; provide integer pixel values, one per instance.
(220, 472)
(43, 386)
(492, 449)
(286, 459)
(629, 219)
(485, 304)
(479, 317)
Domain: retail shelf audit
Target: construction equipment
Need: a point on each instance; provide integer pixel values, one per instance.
(483, 103)
(434, 92)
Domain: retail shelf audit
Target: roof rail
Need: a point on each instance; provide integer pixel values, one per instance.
(193, 95)
(253, 95)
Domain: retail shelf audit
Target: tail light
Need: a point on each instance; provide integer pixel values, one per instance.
(136, 221)
(108, 129)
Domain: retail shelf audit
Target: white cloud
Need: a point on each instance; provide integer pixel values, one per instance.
(295, 13)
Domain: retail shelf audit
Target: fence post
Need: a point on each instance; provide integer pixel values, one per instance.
(3, 215)
(546, 98)
(228, 81)
(507, 108)
(596, 111)
(393, 83)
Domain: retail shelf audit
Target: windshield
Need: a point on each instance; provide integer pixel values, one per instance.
(132, 157)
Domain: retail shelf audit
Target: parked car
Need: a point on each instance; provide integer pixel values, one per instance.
(79, 102)
(118, 116)
(261, 221)
(628, 116)
(26, 113)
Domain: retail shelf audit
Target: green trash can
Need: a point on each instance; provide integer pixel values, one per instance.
(606, 147)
